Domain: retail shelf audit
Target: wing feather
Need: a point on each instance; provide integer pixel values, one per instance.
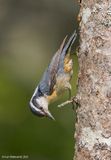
(48, 81)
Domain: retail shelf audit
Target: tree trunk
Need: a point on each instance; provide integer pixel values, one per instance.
(93, 127)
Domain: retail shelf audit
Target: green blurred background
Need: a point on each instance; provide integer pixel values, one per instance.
(30, 33)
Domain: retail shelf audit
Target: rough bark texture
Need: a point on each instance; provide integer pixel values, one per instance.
(93, 128)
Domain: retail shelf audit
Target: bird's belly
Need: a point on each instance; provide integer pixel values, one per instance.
(59, 88)
(61, 83)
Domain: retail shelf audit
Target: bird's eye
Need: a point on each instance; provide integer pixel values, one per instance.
(41, 108)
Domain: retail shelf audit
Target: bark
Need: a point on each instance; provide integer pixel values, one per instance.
(93, 127)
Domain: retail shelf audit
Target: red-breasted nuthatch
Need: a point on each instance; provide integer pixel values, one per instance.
(55, 80)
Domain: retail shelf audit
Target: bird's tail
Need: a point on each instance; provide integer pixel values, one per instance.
(65, 50)
(70, 42)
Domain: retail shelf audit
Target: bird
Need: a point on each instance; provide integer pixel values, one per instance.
(55, 80)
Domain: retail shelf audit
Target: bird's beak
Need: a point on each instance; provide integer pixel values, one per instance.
(49, 115)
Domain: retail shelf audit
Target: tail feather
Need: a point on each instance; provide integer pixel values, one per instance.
(65, 51)
(70, 42)
(63, 44)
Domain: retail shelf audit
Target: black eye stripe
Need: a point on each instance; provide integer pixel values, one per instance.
(41, 107)
(35, 103)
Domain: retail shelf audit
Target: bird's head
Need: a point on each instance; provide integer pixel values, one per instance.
(39, 106)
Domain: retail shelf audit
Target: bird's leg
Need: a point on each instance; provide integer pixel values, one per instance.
(73, 100)
(68, 87)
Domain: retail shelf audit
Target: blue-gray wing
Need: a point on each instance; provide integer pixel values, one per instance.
(48, 81)
(56, 66)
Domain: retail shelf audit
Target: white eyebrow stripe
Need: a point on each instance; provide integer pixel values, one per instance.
(31, 104)
(35, 92)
